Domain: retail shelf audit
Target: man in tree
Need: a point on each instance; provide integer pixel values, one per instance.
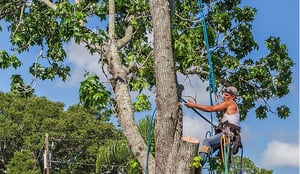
(230, 119)
(134, 63)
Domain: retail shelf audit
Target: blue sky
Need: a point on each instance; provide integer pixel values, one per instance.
(272, 143)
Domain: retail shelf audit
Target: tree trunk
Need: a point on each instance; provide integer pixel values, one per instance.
(166, 93)
(168, 145)
(188, 148)
(122, 96)
(169, 148)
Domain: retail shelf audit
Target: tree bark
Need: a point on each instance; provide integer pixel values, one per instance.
(188, 148)
(166, 93)
(168, 145)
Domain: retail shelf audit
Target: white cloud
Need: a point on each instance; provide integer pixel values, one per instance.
(195, 127)
(80, 61)
(279, 154)
(80, 57)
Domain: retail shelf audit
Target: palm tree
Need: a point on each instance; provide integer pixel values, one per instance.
(115, 156)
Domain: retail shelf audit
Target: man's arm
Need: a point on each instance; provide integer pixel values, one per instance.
(219, 107)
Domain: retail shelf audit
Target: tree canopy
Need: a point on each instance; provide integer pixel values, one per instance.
(132, 63)
(74, 135)
(48, 26)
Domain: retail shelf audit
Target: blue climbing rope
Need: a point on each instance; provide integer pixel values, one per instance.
(212, 86)
(149, 139)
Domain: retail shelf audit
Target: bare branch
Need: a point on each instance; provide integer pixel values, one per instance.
(81, 21)
(49, 4)
(111, 22)
(151, 54)
(20, 20)
(126, 38)
(223, 39)
(34, 80)
(131, 66)
(188, 20)
(128, 35)
(196, 70)
(78, 1)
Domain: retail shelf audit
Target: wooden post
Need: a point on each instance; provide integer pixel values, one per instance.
(47, 154)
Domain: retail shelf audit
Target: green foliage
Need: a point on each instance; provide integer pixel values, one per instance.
(261, 112)
(142, 103)
(19, 88)
(86, 132)
(196, 163)
(218, 165)
(248, 166)
(115, 156)
(7, 61)
(93, 94)
(144, 126)
(283, 111)
(23, 163)
(235, 166)
(74, 135)
(230, 37)
(264, 79)
(35, 25)
(134, 167)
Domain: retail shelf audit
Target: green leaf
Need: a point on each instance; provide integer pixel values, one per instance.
(261, 112)
(93, 94)
(283, 111)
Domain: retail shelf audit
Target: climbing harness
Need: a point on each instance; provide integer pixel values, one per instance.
(225, 151)
(230, 142)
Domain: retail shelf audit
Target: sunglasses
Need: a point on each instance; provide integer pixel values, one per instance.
(226, 95)
(228, 91)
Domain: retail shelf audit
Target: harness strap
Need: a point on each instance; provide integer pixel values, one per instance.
(225, 151)
(224, 143)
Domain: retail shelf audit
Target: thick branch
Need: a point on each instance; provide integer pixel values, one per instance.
(126, 38)
(49, 4)
(122, 96)
(111, 22)
(20, 19)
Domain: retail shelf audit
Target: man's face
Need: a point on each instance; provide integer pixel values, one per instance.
(228, 96)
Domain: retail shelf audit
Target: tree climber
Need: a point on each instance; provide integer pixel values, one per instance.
(230, 120)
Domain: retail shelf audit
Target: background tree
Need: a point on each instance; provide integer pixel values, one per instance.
(74, 135)
(127, 52)
(22, 162)
(247, 167)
